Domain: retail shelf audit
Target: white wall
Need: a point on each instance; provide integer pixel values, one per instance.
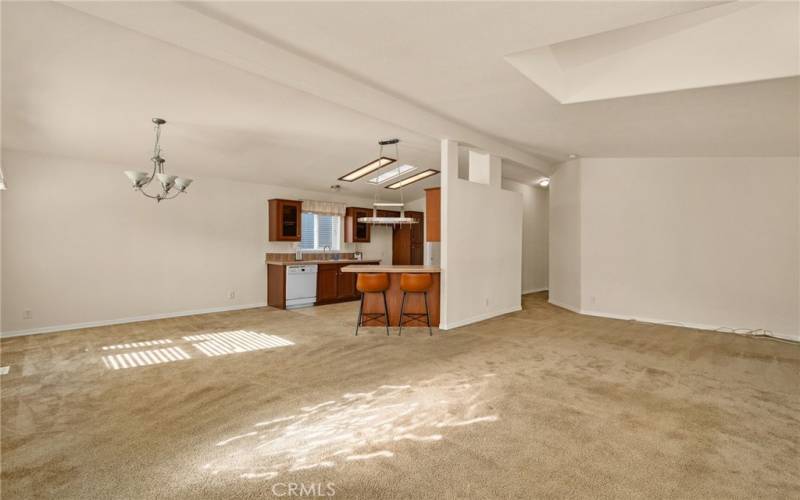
(481, 245)
(535, 215)
(80, 246)
(706, 242)
(565, 236)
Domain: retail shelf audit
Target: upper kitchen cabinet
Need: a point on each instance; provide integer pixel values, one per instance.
(433, 210)
(285, 220)
(354, 231)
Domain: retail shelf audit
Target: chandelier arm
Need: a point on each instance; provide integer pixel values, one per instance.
(156, 197)
(152, 176)
(177, 193)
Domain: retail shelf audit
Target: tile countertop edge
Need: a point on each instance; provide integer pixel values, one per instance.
(328, 261)
(391, 269)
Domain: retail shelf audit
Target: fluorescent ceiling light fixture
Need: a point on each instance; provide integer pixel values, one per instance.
(367, 169)
(414, 178)
(391, 174)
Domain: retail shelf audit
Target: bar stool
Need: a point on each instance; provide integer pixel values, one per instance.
(415, 283)
(372, 283)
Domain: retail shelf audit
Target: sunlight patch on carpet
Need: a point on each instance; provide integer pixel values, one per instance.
(134, 345)
(144, 358)
(358, 426)
(221, 344)
(210, 344)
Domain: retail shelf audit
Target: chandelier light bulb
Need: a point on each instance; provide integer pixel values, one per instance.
(138, 179)
(182, 183)
(167, 181)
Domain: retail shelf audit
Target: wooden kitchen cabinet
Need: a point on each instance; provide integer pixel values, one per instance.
(285, 220)
(354, 231)
(276, 286)
(407, 241)
(418, 229)
(327, 282)
(333, 285)
(346, 286)
(433, 211)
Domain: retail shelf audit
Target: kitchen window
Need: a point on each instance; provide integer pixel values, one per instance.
(320, 231)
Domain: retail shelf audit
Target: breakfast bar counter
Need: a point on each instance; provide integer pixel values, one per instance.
(391, 269)
(373, 303)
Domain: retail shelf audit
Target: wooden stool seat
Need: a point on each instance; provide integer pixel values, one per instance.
(415, 283)
(372, 283)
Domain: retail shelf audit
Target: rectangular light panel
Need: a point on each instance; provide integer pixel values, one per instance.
(414, 178)
(367, 169)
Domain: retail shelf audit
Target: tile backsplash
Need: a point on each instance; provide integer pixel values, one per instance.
(290, 257)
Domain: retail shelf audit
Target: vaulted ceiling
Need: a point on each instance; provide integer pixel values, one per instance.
(299, 93)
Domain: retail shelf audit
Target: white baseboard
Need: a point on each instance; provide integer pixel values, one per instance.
(684, 324)
(480, 317)
(534, 290)
(133, 319)
(564, 305)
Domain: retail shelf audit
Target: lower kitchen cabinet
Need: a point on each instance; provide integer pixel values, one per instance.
(346, 286)
(327, 282)
(333, 285)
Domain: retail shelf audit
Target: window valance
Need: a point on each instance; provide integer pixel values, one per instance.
(324, 207)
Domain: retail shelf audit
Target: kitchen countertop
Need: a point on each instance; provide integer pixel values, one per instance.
(326, 261)
(391, 269)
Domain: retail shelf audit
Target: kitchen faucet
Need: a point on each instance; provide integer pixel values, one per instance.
(325, 252)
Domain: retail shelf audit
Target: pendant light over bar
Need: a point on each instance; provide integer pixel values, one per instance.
(390, 221)
(374, 165)
(414, 178)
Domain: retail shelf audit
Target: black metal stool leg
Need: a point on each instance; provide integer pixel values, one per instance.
(386, 313)
(360, 309)
(402, 307)
(427, 314)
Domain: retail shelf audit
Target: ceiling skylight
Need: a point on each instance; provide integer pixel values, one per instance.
(391, 174)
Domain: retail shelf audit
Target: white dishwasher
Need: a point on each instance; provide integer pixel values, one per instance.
(301, 285)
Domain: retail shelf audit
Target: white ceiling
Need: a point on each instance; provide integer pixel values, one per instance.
(717, 45)
(298, 93)
(77, 86)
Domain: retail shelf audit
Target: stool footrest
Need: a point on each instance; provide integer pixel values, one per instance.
(373, 316)
(414, 316)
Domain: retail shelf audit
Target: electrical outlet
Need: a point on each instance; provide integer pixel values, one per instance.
(486, 302)
(593, 299)
(231, 294)
(27, 314)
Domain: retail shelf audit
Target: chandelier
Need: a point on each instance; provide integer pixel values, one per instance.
(168, 182)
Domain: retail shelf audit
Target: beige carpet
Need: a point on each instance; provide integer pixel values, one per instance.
(541, 403)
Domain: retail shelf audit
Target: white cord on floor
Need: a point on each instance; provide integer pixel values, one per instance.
(760, 333)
